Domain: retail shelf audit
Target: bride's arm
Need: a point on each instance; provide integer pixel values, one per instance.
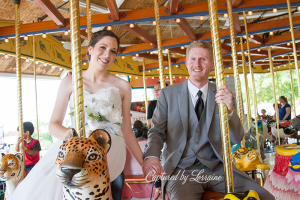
(55, 126)
(130, 139)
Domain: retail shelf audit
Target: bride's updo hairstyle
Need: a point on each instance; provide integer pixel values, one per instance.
(97, 36)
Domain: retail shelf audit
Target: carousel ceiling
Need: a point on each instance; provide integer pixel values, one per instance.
(182, 21)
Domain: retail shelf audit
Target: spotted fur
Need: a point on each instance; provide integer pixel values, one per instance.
(81, 166)
(12, 172)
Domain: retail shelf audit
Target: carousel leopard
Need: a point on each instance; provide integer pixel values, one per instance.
(12, 171)
(81, 166)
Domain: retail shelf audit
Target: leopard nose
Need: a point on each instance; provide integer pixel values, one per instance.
(70, 172)
(2, 172)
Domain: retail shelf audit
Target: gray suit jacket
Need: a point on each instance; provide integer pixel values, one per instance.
(170, 126)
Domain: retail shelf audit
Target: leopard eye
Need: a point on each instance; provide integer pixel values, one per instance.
(93, 157)
(61, 154)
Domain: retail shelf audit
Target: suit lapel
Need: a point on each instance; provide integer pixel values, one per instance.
(210, 103)
(183, 100)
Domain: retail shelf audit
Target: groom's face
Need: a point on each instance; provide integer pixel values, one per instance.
(199, 64)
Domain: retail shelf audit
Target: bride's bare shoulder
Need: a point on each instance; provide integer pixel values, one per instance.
(66, 84)
(123, 85)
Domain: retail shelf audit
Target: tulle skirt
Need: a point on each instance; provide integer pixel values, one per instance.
(41, 182)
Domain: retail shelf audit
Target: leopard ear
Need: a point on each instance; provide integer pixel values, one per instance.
(70, 133)
(19, 156)
(102, 137)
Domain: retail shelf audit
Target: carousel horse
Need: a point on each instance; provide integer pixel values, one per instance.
(12, 171)
(140, 130)
(285, 129)
(81, 166)
(283, 180)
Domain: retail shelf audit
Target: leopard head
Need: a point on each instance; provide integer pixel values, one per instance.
(12, 167)
(82, 161)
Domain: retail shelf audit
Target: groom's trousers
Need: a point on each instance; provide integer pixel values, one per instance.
(193, 181)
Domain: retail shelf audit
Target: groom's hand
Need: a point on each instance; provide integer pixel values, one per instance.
(224, 95)
(152, 168)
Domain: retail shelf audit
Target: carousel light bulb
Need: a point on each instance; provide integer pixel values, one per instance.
(182, 47)
(250, 12)
(268, 69)
(225, 15)
(275, 10)
(177, 20)
(109, 28)
(229, 67)
(60, 69)
(6, 56)
(136, 77)
(129, 76)
(149, 71)
(66, 33)
(151, 52)
(84, 63)
(258, 50)
(278, 66)
(27, 60)
(288, 44)
(271, 33)
(131, 25)
(298, 8)
(282, 56)
(263, 60)
(157, 69)
(186, 77)
(167, 77)
(137, 55)
(86, 30)
(173, 77)
(180, 77)
(253, 62)
(201, 17)
(6, 40)
(272, 58)
(284, 65)
(45, 64)
(273, 47)
(44, 35)
(25, 37)
(123, 57)
(152, 77)
(251, 36)
(167, 50)
(53, 66)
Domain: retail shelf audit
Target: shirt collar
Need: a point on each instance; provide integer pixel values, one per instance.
(194, 90)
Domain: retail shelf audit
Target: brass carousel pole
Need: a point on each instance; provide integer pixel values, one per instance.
(294, 45)
(18, 72)
(274, 91)
(77, 68)
(292, 87)
(36, 106)
(159, 46)
(88, 19)
(277, 83)
(170, 68)
(214, 24)
(253, 93)
(145, 87)
(249, 118)
(237, 81)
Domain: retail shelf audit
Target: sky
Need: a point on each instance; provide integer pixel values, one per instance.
(46, 92)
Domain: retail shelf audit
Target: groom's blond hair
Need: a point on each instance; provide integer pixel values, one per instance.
(202, 44)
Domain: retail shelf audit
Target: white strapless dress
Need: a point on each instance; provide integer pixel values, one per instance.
(41, 183)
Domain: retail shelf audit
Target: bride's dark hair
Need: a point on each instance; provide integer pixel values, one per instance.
(97, 36)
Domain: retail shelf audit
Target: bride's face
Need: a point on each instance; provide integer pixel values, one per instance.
(104, 52)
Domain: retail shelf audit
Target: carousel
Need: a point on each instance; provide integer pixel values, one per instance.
(43, 37)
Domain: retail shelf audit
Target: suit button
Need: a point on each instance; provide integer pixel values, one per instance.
(197, 142)
(172, 169)
(181, 151)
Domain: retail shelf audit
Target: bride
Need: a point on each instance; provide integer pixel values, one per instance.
(112, 98)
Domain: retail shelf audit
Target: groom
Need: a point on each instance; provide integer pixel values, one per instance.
(186, 123)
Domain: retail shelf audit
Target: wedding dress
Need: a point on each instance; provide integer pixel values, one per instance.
(41, 183)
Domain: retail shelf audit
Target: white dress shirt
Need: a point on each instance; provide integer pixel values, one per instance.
(194, 97)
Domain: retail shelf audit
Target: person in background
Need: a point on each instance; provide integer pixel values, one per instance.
(284, 109)
(31, 146)
(274, 116)
(152, 104)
